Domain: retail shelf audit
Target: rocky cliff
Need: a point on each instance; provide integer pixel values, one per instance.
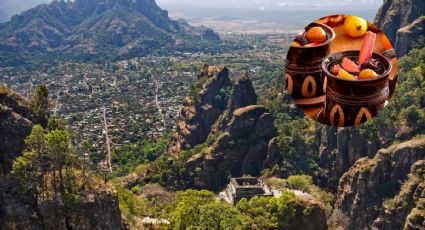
(226, 130)
(402, 21)
(95, 208)
(309, 215)
(340, 148)
(16, 122)
(92, 210)
(240, 149)
(364, 190)
(199, 113)
(407, 209)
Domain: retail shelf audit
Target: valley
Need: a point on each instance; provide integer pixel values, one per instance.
(115, 116)
(141, 93)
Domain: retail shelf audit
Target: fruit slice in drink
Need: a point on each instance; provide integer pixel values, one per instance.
(349, 65)
(345, 75)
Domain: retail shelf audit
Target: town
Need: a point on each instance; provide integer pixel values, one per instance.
(141, 97)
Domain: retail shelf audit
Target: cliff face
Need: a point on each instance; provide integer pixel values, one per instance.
(16, 122)
(234, 133)
(309, 215)
(402, 21)
(340, 148)
(238, 150)
(199, 114)
(92, 211)
(407, 209)
(363, 189)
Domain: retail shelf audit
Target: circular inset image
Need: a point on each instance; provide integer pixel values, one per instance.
(341, 70)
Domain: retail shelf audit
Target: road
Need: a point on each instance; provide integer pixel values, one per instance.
(158, 105)
(108, 142)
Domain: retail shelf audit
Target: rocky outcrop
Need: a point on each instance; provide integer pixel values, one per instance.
(94, 210)
(402, 21)
(239, 150)
(340, 148)
(406, 36)
(407, 209)
(309, 215)
(239, 145)
(200, 113)
(243, 94)
(363, 189)
(16, 122)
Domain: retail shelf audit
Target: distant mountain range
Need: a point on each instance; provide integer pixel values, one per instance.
(96, 30)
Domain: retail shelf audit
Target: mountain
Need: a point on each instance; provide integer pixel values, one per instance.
(96, 30)
(403, 22)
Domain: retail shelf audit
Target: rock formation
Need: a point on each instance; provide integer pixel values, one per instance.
(340, 148)
(94, 210)
(363, 189)
(402, 22)
(16, 122)
(200, 113)
(309, 215)
(234, 133)
(407, 209)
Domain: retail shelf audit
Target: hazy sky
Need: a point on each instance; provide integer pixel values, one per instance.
(10, 7)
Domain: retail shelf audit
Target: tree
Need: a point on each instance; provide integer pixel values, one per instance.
(27, 173)
(256, 213)
(219, 215)
(300, 182)
(187, 214)
(40, 101)
(56, 122)
(57, 148)
(282, 208)
(29, 167)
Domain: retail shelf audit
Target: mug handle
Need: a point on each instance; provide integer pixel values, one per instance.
(390, 54)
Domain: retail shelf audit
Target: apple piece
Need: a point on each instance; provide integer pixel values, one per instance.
(335, 69)
(345, 75)
(349, 65)
(367, 47)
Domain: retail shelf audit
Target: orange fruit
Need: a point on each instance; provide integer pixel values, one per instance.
(316, 34)
(367, 74)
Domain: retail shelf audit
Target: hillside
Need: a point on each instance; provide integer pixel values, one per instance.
(96, 30)
(402, 22)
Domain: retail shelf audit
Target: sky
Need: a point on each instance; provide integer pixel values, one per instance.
(272, 4)
(10, 7)
(240, 15)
